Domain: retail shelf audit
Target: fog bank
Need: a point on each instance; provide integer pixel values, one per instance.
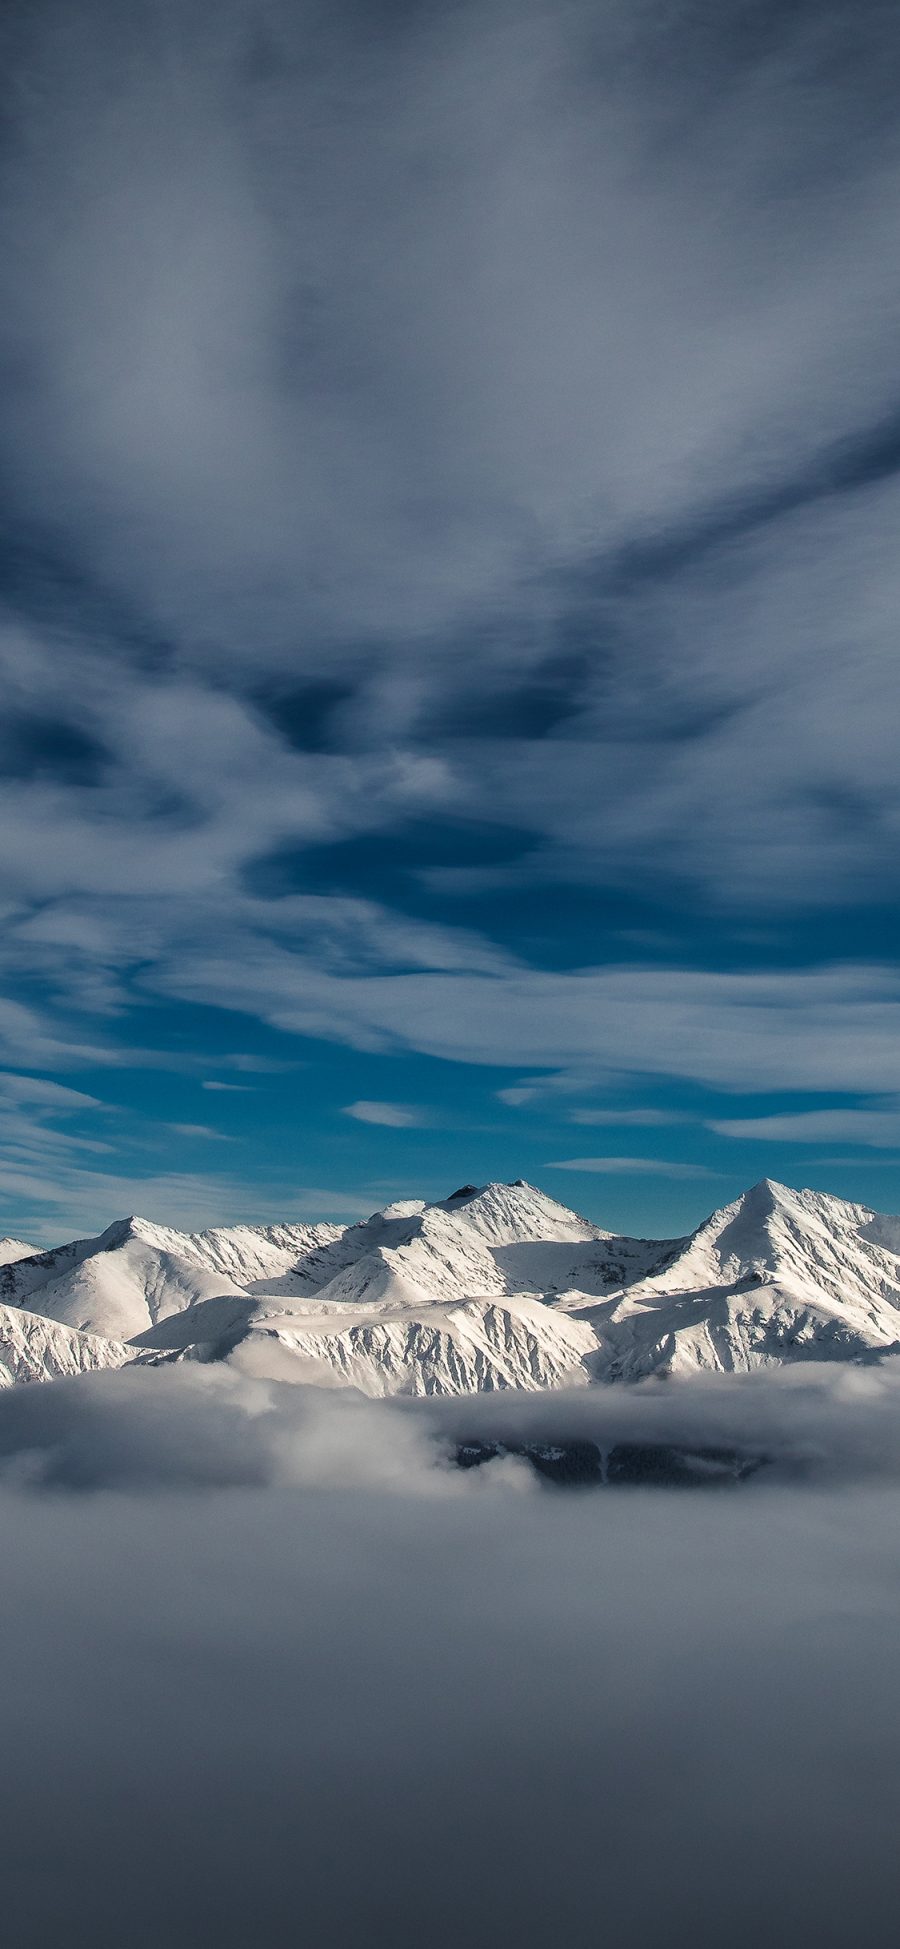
(284, 1675)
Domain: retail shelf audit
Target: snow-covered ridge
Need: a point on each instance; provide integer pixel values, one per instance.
(14, 1248)
(496, 1286)
(36, 1349)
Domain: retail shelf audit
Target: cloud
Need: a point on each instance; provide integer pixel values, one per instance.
(43, 1094)
(806, 1029)
(657, 1167)
(627, 1119)
(448, 463)
(878, 1128)
(816, 1422)
(49, 1183)
(364, 338)
(217, 1427)
(396, 1116)
(202, 1130)
(236, 1600)
(320, 359)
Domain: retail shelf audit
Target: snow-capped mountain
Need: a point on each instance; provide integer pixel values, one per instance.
(35, 1349)
(494, 1287)
(135, 1273)
(14, 1248)
(777, 1275)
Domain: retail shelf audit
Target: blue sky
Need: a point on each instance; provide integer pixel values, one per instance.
(448, 607)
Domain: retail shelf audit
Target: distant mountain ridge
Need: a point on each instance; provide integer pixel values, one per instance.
(497, 1286)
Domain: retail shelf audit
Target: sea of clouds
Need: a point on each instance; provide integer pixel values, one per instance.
(277, 1671)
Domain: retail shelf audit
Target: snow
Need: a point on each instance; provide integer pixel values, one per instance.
(14, 1248)
(36, 1349)
(137, 1273)
(497, 1286)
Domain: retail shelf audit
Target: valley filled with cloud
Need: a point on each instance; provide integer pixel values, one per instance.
(274, 1667)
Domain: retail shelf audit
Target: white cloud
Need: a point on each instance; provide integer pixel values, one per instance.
(395, 1116)
(656, 1167)
(316, 1636)
(47, 1095)
(876, 1127)
(804, 1029)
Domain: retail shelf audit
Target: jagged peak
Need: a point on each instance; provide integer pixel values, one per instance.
(769, 1199)
(119, 1231)
(510, 1192)
(764, 1195)
(134, 1227)
(513, 1209)
(770, 1188)
(763, 1199)
(758, 1203)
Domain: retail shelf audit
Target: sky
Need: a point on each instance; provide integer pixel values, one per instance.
(450, 475)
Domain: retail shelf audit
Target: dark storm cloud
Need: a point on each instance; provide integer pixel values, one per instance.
(281, 1674)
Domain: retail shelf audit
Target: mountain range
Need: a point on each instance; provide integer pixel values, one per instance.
(495, 1287)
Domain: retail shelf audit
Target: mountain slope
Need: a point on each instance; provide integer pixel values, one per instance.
(136, 1273)
(500, 1240)
(15, 1248)
(476, 1348)
(495, 1287)
(807, 1239)
(36, 1349)
(777, 1275)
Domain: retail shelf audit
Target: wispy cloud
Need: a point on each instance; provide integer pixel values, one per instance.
(43, 1094)
(801, 1029)
(654, 1167)
(637, 1119)
(395, 1116)
(878, 1128)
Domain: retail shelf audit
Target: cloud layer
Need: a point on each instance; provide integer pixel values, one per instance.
(276, 1668)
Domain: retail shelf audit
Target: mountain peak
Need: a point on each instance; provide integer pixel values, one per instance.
(117, 1233)
(144, 1230)
(507, 1192)
(769, 1191)
(123, 1229)
(495, 1285)
(13, 1249)
(516, 1210)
